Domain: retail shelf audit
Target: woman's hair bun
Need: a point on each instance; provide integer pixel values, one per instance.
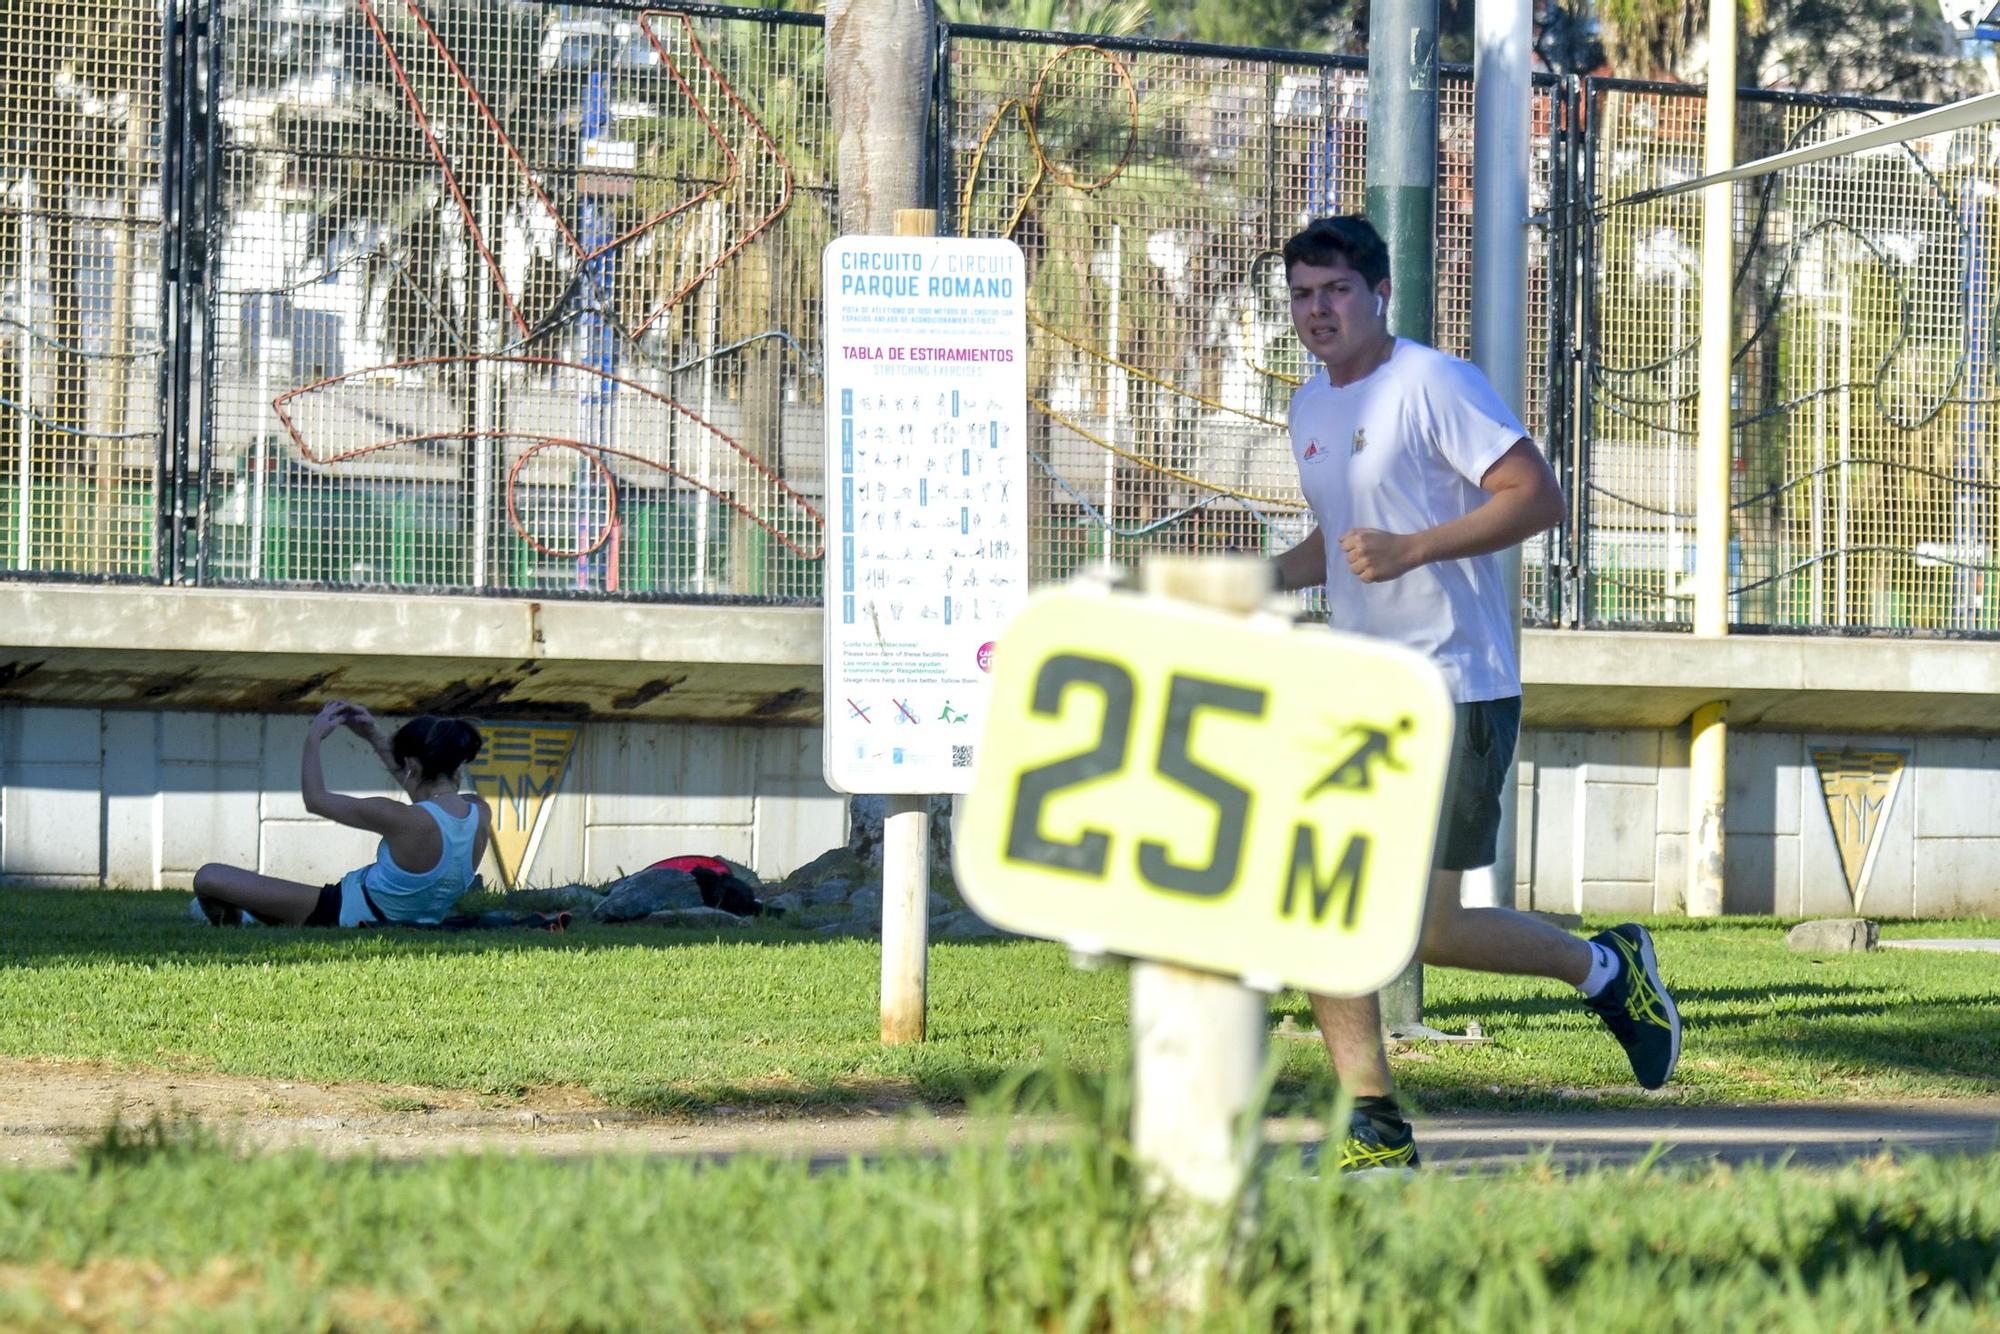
(440, 746)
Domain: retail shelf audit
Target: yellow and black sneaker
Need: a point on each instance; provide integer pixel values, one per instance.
(1370, 1148)
(1636, 1007)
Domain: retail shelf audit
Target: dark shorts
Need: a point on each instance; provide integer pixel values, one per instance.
(1482, 767)
(326, 911)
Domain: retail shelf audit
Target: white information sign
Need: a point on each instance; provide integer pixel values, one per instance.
(927, 524)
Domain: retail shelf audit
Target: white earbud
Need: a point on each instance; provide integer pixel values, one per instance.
(1381, 305)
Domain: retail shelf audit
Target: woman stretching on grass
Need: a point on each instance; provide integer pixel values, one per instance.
(429, 848)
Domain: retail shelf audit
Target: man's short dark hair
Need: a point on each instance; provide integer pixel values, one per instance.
(1349, 239)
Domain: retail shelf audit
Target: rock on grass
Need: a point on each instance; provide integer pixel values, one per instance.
(1835, 935)
(646, 892)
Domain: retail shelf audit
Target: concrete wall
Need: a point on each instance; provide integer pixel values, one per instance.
(139, 799)
(1603, 825)
(126, 797)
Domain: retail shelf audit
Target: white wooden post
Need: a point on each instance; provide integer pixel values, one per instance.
(1197, 1048)
(906, 887)
(906, 857)
(1094, 879)
(1198, 1038)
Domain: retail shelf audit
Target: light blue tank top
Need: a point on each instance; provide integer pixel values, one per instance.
(407, 896)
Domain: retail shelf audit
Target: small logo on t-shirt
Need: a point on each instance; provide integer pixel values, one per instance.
(1313, 452)
(1360, 439)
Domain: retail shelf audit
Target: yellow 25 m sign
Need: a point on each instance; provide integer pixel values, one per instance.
(1231, 793)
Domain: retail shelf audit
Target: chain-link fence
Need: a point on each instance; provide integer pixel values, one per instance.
(502, 295)
(1151, 187)
(1864, 445)
(80, 339)
(517, 296)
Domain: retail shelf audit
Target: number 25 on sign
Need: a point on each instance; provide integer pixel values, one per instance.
(1226, 792)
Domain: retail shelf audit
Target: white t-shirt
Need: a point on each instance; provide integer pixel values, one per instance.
(1403, 449)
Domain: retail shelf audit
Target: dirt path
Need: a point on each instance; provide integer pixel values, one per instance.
(46, 1107)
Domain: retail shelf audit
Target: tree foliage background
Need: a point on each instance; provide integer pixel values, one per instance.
(1887, 48)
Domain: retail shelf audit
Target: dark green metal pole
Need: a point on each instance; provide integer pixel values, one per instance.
(1402, 203)
(1402, 154)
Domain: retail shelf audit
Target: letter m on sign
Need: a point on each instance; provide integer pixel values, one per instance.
(1342, 882)
(518, 800)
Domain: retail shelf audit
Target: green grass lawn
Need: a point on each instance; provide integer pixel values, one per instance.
(665, 1020)
(179, 1235)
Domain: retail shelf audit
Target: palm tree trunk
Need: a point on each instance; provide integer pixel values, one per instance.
(878, 83)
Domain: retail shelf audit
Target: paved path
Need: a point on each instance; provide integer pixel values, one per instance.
(1818, 1133)
(1813, 1134)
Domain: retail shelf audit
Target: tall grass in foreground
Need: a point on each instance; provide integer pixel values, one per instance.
(176, 1231)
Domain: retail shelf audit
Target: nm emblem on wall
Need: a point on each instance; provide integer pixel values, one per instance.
(1860, 789)
(518, 772)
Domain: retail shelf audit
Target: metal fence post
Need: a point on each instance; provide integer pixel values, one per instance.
(1502, 98)
(1709, 729)
(1402, 202)
(1583, 422)
(205, 221)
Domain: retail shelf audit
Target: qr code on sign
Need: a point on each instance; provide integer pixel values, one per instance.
(961, 757)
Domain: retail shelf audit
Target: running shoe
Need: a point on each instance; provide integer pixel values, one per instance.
(1368, 1149)
(1636, 1006)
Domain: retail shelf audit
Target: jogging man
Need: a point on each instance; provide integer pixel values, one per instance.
(1417, 473)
